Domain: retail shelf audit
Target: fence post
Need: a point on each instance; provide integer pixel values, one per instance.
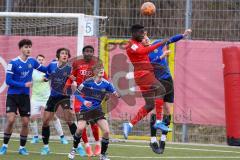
(96, 13)
(8, 24)
(188, 24)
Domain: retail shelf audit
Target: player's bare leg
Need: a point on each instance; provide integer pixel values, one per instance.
(11, 117)
(153, 99)
(103, 124)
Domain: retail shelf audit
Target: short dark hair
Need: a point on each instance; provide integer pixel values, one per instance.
(24, 42)
(134, 28)
(40, 55)
(63, 49)
(87, 46)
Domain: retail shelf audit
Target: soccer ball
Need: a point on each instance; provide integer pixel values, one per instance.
(148, 9)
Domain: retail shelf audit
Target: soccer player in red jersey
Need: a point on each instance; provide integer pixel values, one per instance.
(152, 90)
(82, 70)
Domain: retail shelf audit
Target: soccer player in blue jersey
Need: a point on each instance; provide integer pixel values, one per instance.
(19, 81)
(39, 97)
(94, 91)
(162, 73)
(58, 73)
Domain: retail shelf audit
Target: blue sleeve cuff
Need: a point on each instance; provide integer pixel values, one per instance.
(80, 98)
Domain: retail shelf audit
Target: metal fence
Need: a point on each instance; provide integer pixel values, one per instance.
(209, 19)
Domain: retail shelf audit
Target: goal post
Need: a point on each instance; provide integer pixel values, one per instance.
(48, 32)
(85, 23)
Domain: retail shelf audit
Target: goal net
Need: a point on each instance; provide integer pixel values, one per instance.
(48, 32)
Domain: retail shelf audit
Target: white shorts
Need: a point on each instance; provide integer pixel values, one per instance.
(36, 107)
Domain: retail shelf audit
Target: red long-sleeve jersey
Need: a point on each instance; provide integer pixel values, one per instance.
(81, 70)
(138, 54)
(143, 69)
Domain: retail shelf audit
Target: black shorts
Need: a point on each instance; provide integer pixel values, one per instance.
(20, 103)
(168, 84)
(90, 116)
(54, 102)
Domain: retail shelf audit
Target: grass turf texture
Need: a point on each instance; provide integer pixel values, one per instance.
(128, 150)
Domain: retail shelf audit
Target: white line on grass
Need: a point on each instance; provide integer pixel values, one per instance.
(178, 148)
(128, 157)
(175, 148)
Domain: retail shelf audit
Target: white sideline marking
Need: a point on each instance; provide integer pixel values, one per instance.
(192, 149)
(127, 157)
(55, 139)
(176, 148)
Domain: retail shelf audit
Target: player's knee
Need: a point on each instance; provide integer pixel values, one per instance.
(69, 123)
(24, 124)
(45, 123)
(11, 120)
(106, 133)
(161, 91)
(80, 129)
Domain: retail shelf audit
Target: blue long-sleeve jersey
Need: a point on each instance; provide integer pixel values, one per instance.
(162, 70)
(19, 72)
(93, 92)
(58, 77)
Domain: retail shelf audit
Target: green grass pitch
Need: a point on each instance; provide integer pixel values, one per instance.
(128, 150)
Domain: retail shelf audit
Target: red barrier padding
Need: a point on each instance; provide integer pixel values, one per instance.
(231, 62)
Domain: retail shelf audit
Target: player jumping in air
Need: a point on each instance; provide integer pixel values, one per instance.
(82, 70)
(94, 91)
(19, 81)
(58, 73)
(39, 97)
(162, 73)
(152, 90)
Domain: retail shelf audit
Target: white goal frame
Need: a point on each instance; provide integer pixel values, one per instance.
(80, 16)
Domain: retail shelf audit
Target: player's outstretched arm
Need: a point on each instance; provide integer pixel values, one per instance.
(149, 49)
(178, 37)
(81, 99)
(39, 67)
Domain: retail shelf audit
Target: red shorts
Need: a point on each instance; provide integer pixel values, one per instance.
(144, 79)
(77, 105)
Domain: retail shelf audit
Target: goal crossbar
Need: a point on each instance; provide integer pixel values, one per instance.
(79, 16)
(48, 15)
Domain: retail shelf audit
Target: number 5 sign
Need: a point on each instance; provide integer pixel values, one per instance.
(89, 27)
